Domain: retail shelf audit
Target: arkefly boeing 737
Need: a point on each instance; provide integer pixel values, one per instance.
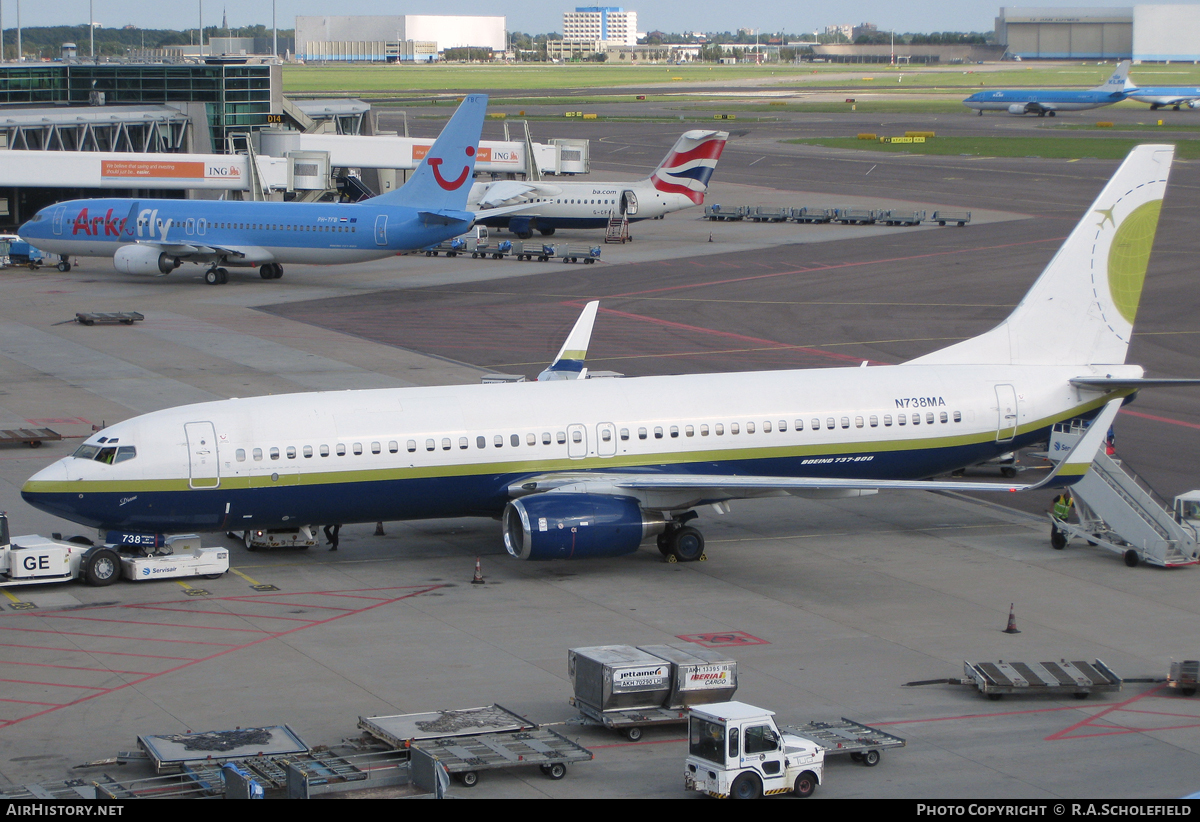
(1044, 102)
(156, 236)
(591, 467)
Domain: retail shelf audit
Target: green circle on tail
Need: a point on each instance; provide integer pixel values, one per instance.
(1129, 255)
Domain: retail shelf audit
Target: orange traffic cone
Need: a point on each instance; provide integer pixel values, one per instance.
(478, 578)
(1012, 621)
(379, 530)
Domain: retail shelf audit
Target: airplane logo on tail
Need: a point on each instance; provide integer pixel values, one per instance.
(450, 185)
(686, 170)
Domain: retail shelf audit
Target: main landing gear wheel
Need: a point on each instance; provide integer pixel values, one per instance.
(64, 266)
(523, 235)
(270, 271)
(664, 543)
(216, 276)
(547, 232)
(687, 545)
(102, 567)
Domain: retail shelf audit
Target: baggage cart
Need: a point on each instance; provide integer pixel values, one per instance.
(469, 741)
(901, 217)
(813, 215)
(856, 216)
(1184, 675)
(960, 218)
(717, 213)
(861, 742)
(33, 437)
(108, 318)
(994, 679)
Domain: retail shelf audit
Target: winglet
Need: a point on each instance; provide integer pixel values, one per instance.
(568, 365)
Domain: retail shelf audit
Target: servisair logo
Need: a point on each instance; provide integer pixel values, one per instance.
(687, 172)
(435, 164)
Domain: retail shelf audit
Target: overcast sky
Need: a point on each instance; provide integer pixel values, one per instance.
(540, 16)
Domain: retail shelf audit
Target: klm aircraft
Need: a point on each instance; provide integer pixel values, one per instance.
(1163, 96)
(592, 467)
(1043, 102)
(155, 237)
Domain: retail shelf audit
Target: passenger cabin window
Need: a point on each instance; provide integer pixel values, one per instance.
(291, 452)
(257, 454)
(658, 432)
(515, 439)
(376, 448)
(341, 449)
(887, 419)
(240, 455)
(411, 445)
(958, 416)
(430, 445)
(641, 433)
(324, 451)
(274, 453)
(445, 443)
(463, 443)
(308, 452)
(358, 449)
(481, 442)
(393, 447)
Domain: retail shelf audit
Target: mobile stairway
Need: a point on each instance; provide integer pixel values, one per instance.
(1119, 511)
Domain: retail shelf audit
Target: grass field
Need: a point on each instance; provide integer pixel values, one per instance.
(1064, 148)
(370, 80)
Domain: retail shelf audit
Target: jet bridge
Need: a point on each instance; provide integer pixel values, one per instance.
(1117, 510)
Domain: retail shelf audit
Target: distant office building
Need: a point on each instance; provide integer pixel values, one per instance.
(846, 31)
(861, 29)
(404, 37)
(611, 24)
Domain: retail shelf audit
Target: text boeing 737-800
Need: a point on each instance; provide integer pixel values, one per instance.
(591, 467)
(156, 236)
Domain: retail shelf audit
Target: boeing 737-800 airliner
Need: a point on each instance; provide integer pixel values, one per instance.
(156, 236)
(591, 467)
(1043, 102)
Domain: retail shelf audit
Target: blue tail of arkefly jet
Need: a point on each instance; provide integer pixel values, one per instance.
(443, 179)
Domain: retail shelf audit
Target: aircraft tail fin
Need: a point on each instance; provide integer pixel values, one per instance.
(689, 164)
(1081, 309)
(1119, 81)
(568, 365)
(443, 179)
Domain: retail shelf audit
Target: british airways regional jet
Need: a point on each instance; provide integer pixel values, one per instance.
(679, 182)
(156, 236)
(1044, 102)
(592, 467)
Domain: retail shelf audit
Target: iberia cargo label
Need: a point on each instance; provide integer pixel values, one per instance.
(170, 169)
(708, 676)
(632, 679)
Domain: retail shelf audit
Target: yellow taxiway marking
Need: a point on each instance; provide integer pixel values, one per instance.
(243, 576)
(11, 596)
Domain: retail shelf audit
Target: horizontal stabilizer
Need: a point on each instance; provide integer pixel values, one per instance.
(1118, 383)
(445, 217)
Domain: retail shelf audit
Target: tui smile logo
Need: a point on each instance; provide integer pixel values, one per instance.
(450, 185)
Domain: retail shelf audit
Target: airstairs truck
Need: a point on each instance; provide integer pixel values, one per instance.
(1118, 511)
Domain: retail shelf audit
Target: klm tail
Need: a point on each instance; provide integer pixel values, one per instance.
(1081, 310)
(1119, 81)
(688, 166)
(443, 179)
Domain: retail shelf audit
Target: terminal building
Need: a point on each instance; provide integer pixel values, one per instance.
(610, 24)
(1145, 33)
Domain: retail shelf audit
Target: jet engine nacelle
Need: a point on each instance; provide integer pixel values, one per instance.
(575, 526)
(1017, 108)
(144, 259)
(1193, 103)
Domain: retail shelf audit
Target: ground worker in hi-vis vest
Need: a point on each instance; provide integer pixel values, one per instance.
(1063, 504)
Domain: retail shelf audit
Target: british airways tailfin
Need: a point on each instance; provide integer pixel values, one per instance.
(443, 179)
(688, 166)
(1081, 309)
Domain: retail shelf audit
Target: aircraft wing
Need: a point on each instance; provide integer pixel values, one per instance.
(506, 191)
(187, 251)
(685, 490)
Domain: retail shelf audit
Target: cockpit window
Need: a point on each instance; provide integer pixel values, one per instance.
(109, 455)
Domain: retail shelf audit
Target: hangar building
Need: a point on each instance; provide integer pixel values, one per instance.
(386, 37)
(1147, 33)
